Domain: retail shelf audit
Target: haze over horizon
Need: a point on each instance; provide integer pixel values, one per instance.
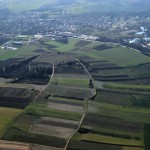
(78, 6)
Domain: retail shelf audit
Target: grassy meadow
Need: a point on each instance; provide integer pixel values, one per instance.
(7, 116)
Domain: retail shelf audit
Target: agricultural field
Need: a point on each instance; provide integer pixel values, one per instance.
(21, 52)
(137, 115)
(53, 58)
(13, 145)
(121, 56)
(64, 47)
(139, 88)
(126, 99)
(71, 82)
(7, 116)
(97, 90)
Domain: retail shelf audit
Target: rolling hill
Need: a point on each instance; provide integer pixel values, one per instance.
(78, 6)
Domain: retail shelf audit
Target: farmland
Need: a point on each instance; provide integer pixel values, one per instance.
(84, 93)
(140, 88)
(22, 52)
(119, 55)
(7, 116)
(64, 47)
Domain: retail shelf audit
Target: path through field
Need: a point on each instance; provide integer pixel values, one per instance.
(85, 108)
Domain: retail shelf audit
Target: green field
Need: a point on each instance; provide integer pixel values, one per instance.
(7, 116)
(66, 100)
(113, 98)
(41, 110)
(71, 82)
(140, 88)
(64, 47)
(21, 52)
(125, 113)
(121, 56)
(107, 139)
(106, 131)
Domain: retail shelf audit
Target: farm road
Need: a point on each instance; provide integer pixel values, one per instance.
(86, 106)
(47, 84)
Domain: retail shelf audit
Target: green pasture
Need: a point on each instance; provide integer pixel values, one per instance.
(41, 110)
(66, 100)
(21, 52)
(107, 139)
(121, 56)
(71, 82)
(104, 131)
(140, 88)
(7, 115)
(140, 115)
(64, 47)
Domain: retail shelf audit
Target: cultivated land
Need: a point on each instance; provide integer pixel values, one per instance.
(7, 116)
(85, 95)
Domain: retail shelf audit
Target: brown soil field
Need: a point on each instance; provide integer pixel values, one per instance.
(59, 122)
(69, 91)
(87, 59)
(51, 131)
(23, 86)
(15, 92)
(5, 145)
(54, 58)
(77, 71)
(40, 147)
(65, 107)
(34, 64)
(16, 97)
(112, 123)
(24, 120)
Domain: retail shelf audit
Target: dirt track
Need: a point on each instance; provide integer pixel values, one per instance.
(4, 145)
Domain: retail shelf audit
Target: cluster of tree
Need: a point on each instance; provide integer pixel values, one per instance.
(63, 40)
(102, 47)
(144, 50)
(3, 40)
(20, 71)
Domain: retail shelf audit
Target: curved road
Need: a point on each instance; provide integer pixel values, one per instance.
(86, 106)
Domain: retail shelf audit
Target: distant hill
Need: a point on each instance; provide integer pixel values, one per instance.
(78, 6)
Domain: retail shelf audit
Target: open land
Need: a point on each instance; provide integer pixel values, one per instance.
(87, 94)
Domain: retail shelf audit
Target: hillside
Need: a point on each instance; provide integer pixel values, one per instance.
(77, 6)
